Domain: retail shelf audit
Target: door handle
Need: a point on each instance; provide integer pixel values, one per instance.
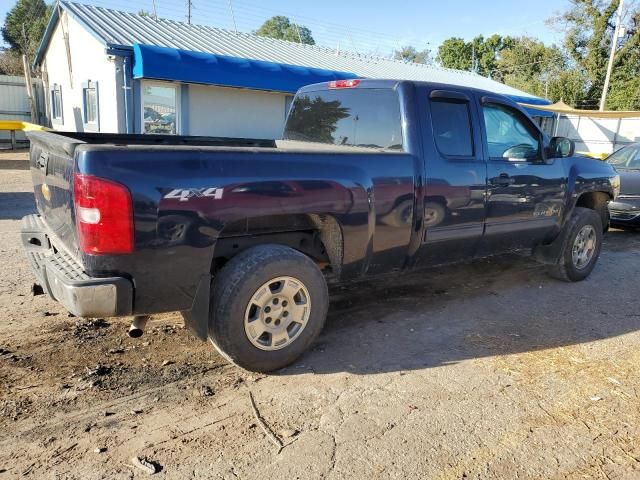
(503, 180)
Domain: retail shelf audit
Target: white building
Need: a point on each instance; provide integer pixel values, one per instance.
(117, 72)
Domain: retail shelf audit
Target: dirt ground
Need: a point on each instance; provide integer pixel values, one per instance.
(489, 370)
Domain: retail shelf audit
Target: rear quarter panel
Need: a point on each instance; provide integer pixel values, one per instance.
(184, 199)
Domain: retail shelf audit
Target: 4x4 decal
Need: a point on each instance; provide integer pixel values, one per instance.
(184, 194)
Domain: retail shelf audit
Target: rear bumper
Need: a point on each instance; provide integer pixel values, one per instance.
(65, 280)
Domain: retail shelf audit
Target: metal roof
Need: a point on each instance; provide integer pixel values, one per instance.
(123, 29)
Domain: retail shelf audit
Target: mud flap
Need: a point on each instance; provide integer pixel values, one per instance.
(197, 319)
(550, 254)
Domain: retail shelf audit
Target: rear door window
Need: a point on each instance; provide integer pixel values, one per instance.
(451, 122)
(355, 117)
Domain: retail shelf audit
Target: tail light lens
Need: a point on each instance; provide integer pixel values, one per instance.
(104, 215)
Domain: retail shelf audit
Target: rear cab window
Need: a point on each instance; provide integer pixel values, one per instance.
(357, 117)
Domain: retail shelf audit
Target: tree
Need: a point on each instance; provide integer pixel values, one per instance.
(589, 28)
(624, 92)
(479, 55)
(521, 62)
(317, 118)
(411, 54)
(528, 64)
(10, 63)
(281, 28)
(24, 26)
(455, 53)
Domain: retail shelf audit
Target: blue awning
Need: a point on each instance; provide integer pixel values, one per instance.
(162, 63)
(533, 101)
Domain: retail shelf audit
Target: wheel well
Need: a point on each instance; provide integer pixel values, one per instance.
(436, 199)
(317, 236)
(596, 201)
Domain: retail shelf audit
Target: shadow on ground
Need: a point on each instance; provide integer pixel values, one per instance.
(488, 308)
(14, 165)
(15, 205)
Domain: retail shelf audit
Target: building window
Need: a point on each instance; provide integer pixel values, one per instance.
(90, 105)
(56, 103)
(159, 108)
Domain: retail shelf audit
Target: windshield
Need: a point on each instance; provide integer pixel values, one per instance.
(626, 157)
(362, 118)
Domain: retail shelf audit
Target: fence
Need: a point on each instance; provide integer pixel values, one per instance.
(14, 104)
(598, 135)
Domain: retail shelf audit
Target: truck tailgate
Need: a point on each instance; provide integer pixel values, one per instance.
(52, 166)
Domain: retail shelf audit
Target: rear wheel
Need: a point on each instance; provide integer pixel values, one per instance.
(581, 248)
(434, 214)
(267, 305)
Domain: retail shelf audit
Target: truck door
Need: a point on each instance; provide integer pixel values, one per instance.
(526, 191)
(455, 176)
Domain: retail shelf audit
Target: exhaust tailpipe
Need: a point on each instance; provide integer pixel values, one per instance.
(137, 326)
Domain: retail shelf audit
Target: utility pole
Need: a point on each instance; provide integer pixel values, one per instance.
(233, 16)
(27, 76)
(155, 11)
(297, 30)
(473, 58)
(614, 45)
(189, 12)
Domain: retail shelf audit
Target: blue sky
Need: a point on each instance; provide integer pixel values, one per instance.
(367, 26)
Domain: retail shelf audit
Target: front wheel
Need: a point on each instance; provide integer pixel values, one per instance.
(267, 305)
(581, 247)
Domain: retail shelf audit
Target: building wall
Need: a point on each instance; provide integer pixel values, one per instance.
(234, 112)
(88, 62)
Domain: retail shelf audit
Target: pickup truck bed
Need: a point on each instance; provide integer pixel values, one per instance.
(373, 177)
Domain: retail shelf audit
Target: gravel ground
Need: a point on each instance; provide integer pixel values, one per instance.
(489, 370)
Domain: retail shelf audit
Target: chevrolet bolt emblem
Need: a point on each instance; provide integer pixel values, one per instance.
(46, 193)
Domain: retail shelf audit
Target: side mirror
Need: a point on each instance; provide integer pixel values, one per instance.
(561, 147)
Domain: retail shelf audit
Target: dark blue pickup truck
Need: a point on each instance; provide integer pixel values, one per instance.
(242, 236)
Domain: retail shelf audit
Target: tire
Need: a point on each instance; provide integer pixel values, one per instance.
(434, 214)
(401, 215)
(259, 272)
(568, 267)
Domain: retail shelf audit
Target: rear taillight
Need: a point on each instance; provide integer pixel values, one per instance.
(344, 83)
(104, 215)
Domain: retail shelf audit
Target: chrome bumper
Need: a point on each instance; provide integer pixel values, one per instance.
(65, 280)
(625, 210)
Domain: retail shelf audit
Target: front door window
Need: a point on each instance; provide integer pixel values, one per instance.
(509, 137)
